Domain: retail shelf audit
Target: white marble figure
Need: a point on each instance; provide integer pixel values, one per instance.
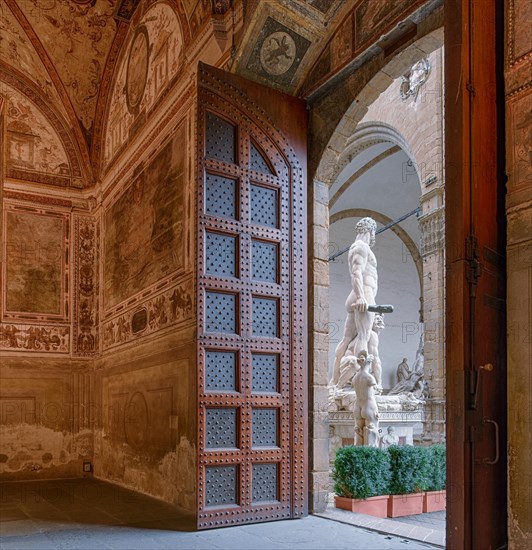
(348, 368)
(373, 349)
(363, 271)
(365, 410)
(413, 383)
(403, 370)
(391, 438)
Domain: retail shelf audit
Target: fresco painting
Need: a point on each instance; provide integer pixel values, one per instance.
(32, 143)
(145, 237)
(34, 263)
(77, 36)
(152, 58)
(18, 51)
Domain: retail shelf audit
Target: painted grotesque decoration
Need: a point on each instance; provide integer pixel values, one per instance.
(150, 60)
(32, 143)
(144, 227)
(18, 51)
(76, 36)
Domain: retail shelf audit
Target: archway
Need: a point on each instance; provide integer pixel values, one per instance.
(368, 138)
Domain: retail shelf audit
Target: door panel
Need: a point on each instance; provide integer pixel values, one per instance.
(251, 295)
(475, 257)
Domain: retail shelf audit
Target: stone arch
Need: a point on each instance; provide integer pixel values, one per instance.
(349, 121)
(366, 135)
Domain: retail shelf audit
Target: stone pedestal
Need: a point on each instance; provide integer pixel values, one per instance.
(403, 412)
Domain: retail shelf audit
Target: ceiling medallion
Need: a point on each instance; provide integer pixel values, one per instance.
(137, 69)
(277, 53)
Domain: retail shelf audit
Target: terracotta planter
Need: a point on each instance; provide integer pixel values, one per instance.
(434, 501)
(372, 506)
(405, 505)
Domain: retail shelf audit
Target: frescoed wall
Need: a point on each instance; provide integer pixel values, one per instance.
(151, 58)
(145, 227)
(34, 263)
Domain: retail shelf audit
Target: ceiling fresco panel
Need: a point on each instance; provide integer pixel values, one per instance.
(18, 51)
(77, 35)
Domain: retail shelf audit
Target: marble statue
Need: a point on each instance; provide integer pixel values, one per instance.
(373, 349)
(363, 271)
(412, 383)
(349, 364)
(348, 368)
(403, 370)
(390, 438)
(365, 410)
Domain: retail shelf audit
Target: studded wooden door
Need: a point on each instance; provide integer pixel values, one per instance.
(251, 302)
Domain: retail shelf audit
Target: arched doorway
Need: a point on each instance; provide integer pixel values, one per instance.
(384, 158)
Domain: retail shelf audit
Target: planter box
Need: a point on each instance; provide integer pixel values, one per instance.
(405, 505)
(434, 501)
(372, 506)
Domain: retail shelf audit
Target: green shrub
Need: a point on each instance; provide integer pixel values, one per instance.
(437, 467)
(361, 472)
(409, 469)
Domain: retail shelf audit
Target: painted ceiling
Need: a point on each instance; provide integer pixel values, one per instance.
(67, 58)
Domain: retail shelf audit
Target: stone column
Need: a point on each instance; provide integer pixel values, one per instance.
(318, 235)
(432, 227)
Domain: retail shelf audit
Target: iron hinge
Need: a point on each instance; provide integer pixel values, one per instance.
(472, 257)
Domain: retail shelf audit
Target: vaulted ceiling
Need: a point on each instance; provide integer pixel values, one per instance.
(61, 58)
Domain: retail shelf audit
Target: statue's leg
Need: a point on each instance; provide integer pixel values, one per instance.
(363, 325)
(376, 367)
(349, 334)
(359, 426)
(377, 371)
(345, 376)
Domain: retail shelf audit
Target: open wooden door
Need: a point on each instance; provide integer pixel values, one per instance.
(252, 384)
(475, 284)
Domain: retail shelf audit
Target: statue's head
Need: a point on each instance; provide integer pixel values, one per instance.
(378, 322)
(391, 430)
(367, 225)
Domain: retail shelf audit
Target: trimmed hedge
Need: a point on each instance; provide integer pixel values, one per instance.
(410, 469)
(361, 472)
(437, 467)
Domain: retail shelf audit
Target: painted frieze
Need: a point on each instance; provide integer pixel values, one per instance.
(166, 309)
(35, 338)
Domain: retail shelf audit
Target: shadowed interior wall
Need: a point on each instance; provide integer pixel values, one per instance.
(147, 372)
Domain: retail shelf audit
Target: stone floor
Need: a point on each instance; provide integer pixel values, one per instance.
(90, 514)
(420, 528)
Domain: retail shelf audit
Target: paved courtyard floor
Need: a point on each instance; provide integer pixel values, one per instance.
(420, 528)
(88, 514)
